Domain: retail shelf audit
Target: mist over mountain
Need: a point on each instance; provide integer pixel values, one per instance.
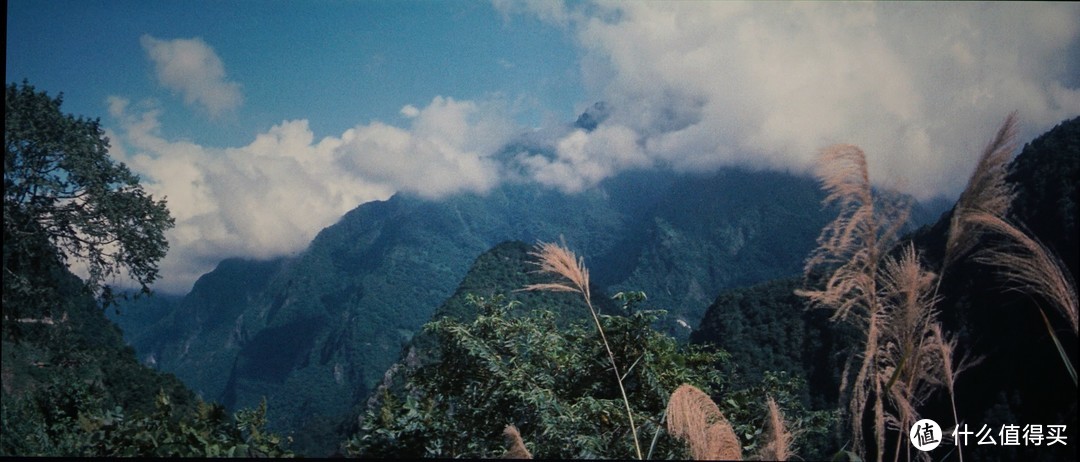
(312, 331)
(329, 178)
(319, 329)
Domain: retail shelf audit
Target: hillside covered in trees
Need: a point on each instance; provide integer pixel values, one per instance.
(1017, 374)
(315, 330)
(71, 386)
(435, 328)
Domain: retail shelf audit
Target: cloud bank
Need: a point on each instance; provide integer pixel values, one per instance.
(192, 68)
(270, 197)
(691, 86)
(920, 86)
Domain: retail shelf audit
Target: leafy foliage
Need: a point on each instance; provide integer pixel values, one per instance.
(68, 418)
(65, 199)
(72, 388)
(70, 385)
(367, 284)
(555, 384)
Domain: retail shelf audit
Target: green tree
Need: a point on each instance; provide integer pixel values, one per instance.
(68, 418)
(66, 201)
(554, 383)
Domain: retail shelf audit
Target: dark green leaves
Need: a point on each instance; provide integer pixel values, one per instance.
(553, 381)
(67, 419)
(67, 202)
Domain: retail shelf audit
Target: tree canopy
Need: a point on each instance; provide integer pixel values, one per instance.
(67, 202)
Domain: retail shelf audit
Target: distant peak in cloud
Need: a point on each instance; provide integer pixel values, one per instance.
(270, 197)
(192, 68)
(593, 116)
(702, 85)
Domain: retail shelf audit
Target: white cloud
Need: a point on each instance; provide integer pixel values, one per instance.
(192, 68)
(270, 197)
(583, 158)
(692, 86)
(920, 86)
(410, 111)
(447, 149)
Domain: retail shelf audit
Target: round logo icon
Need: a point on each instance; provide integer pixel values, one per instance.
(925, 435)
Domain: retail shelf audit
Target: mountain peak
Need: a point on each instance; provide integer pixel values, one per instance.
(593, 116)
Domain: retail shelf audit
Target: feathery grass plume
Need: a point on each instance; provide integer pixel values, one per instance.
(515, 447)
(694, 418)
(1028, 265)
(557, 260)
(910, 359)
(853, 243)
(780, 439)
(986, 192)
(1031, 268)
(950, 370)
(851, 247)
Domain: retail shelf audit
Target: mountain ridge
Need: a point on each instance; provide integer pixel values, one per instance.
(320, 328)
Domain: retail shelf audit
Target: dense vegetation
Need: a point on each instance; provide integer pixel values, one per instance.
(71, 387)
(1020, 377)
(497, 361)
(366, 285)
(942, 323)
(65, 199)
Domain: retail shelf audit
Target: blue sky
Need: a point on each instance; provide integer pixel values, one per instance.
(263, 122)
(336, 63)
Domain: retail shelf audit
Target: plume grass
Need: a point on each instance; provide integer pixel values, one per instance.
(910, 359)
(557, 260)
(779, 442)
(694, 418)
(892, 300)
(1028, 265)
(951, 370)
(986, 192)
(851, 247)
(515, 447)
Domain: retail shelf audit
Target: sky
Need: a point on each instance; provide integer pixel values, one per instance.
(262, 122)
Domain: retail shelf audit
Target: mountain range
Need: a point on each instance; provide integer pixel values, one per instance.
(315, 333)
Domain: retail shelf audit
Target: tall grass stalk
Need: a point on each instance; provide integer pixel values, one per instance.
(892, 300)
(986, 192)
(780, 438)
(852, 247)
(950, 370)
(910, 360)
(515, 447)
(694, 418)
(557, 260)
(1027, 264)
(1029, 267)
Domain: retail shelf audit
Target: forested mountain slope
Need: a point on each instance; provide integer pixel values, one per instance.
(318, 329)
(1021, 378)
